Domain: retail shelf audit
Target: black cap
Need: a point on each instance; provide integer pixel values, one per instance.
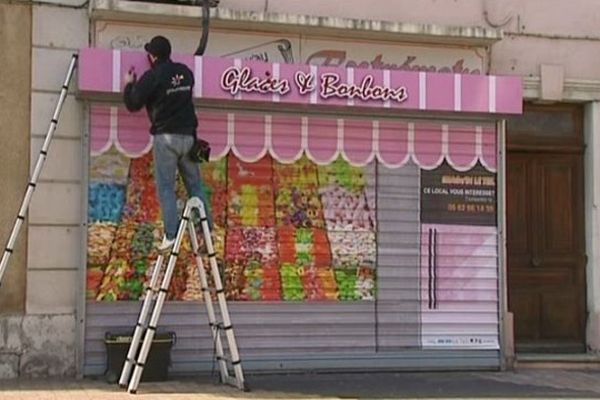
(159, 47)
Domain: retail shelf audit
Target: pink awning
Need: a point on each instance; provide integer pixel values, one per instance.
(250, 136)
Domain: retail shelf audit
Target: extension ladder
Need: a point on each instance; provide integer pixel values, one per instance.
(136, 356)
(8, 250)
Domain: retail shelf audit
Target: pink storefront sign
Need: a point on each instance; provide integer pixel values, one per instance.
(101, 72)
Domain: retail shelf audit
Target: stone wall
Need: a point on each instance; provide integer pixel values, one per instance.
(37, 346)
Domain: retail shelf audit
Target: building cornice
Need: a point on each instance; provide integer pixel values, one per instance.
(130, 11)
(574, 90)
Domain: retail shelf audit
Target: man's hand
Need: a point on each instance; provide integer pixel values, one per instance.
(131, 77)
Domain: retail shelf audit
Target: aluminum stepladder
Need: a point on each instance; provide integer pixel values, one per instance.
(147, 330)
(8, 250)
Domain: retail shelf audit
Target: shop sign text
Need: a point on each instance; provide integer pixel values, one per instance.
(237, 80)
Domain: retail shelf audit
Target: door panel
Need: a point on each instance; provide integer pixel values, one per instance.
(558, 321)
(525, 305)
(545, 243)
(557, 175)
(517, 206)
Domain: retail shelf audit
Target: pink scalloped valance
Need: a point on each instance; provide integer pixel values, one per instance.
(222, 79)
(250, 136)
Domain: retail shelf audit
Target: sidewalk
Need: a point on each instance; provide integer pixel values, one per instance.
(539, 384)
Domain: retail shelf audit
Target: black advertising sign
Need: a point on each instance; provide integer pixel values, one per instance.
(451, 197)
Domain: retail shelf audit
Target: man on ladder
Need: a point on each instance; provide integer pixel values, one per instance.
(166, 92)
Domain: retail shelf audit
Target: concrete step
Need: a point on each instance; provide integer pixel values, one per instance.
(558, 361)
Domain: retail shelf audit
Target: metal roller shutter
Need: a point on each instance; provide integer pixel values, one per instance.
(427, 314)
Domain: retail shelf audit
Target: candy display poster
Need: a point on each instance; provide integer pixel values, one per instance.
(283, 232)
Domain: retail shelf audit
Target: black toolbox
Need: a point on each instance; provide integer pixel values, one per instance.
(158, 362)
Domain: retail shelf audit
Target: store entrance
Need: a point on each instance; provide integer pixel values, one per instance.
(545, 229)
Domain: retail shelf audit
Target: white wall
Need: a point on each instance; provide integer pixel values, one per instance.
(54, 253)
(55, 211)
(592, 222)
(537, 30)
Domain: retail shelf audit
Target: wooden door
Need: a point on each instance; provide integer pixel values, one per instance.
(545, 235)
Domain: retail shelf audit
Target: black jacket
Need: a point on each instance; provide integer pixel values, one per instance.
(166, 91)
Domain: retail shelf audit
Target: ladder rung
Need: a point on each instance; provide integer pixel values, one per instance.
(230, 380)
(229, 360)
(221, 326)
(214, 290)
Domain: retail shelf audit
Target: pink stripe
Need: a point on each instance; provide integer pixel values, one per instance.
(133, 134)
(410, 80)
(428, 144)
(136, 60)
(440, 92)
(211, 78)
(358, 140)
(475, 93)
(249, 137)
(95, 70)
(286, 137)
(212, 127)
(393, 142)
(489, 147)
(99, 127)
(509, 95)
(462, 146)
(322, 138)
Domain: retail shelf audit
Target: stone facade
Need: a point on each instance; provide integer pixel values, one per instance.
(40, 328)
(37, 346)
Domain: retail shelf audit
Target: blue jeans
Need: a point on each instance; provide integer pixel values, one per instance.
(171, 155)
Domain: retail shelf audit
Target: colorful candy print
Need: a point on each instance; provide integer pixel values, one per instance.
(293, 232)
(291, 283)
(100, 239)
(112, 168)
(105, 202)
